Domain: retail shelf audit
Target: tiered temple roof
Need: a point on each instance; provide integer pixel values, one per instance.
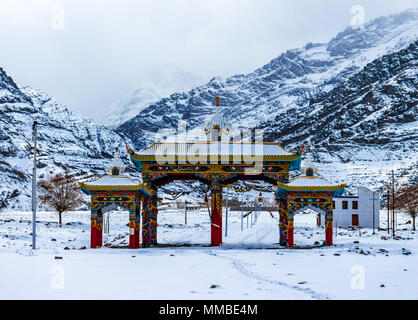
(207, 148)
(115, 180)
(310, 181)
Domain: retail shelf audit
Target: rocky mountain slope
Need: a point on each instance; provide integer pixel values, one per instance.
(65, 142)
(368, 124)
(354, 99)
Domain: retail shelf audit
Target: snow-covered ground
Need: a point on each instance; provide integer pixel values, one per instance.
(249, 265)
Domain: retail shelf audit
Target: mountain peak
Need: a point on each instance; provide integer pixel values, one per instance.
(9, 91)
(376, 31)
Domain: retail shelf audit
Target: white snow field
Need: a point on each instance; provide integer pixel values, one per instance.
(249, 265)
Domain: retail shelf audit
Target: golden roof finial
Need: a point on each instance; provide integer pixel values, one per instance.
(217, 101)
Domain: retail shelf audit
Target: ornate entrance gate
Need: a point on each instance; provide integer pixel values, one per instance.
(305, 191)
(215, 162)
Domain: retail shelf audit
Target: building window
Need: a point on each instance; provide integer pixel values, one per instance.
(115, 171)
(345, 205)
(355, 205)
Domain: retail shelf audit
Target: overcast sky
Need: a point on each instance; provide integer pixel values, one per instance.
(89, 53)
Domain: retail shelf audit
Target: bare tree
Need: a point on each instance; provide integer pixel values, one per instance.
(60, 192)
(407, 201)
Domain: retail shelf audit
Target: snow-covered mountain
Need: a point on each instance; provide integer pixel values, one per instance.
(331, 94)
(65, 141)
(149, 91)
(353, 99)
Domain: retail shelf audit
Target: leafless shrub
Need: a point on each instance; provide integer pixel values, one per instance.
(406, 200)
(60, 192)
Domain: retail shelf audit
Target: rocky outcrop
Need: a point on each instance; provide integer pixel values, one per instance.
(66, 142)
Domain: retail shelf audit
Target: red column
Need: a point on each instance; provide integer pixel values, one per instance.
(132, 227)
(328, 227)
(137, 226)
(290, 239)
(93, 230)
(216, 225)
(99, 229)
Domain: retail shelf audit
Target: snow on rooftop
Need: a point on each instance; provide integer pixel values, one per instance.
(216, 148)
(113, 181)
(314, 181)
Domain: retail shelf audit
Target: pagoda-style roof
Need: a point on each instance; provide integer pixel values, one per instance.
(116, 180)
(310, 182)
(315, 183)
(110, 182)
(172, 151)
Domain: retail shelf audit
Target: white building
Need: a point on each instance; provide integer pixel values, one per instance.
(352, 211)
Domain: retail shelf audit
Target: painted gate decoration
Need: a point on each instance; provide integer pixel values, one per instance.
(162, 163)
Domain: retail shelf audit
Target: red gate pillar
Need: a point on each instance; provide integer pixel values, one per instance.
(328, 227)
(93, 229)
(283, 223)
(137, 225)
(290, 239)
(132, 225)
(99, 228)
(216, 209)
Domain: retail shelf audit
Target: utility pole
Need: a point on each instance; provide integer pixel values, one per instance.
(393, 203)
(35, 123)
(388, 206)
(185, 212)
(246, 203)
(242, 212)
(336, 228)
(207, 204)
(108, 222)
(373, 213)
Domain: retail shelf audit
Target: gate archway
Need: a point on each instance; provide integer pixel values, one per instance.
(308, 190)
(215, 162)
